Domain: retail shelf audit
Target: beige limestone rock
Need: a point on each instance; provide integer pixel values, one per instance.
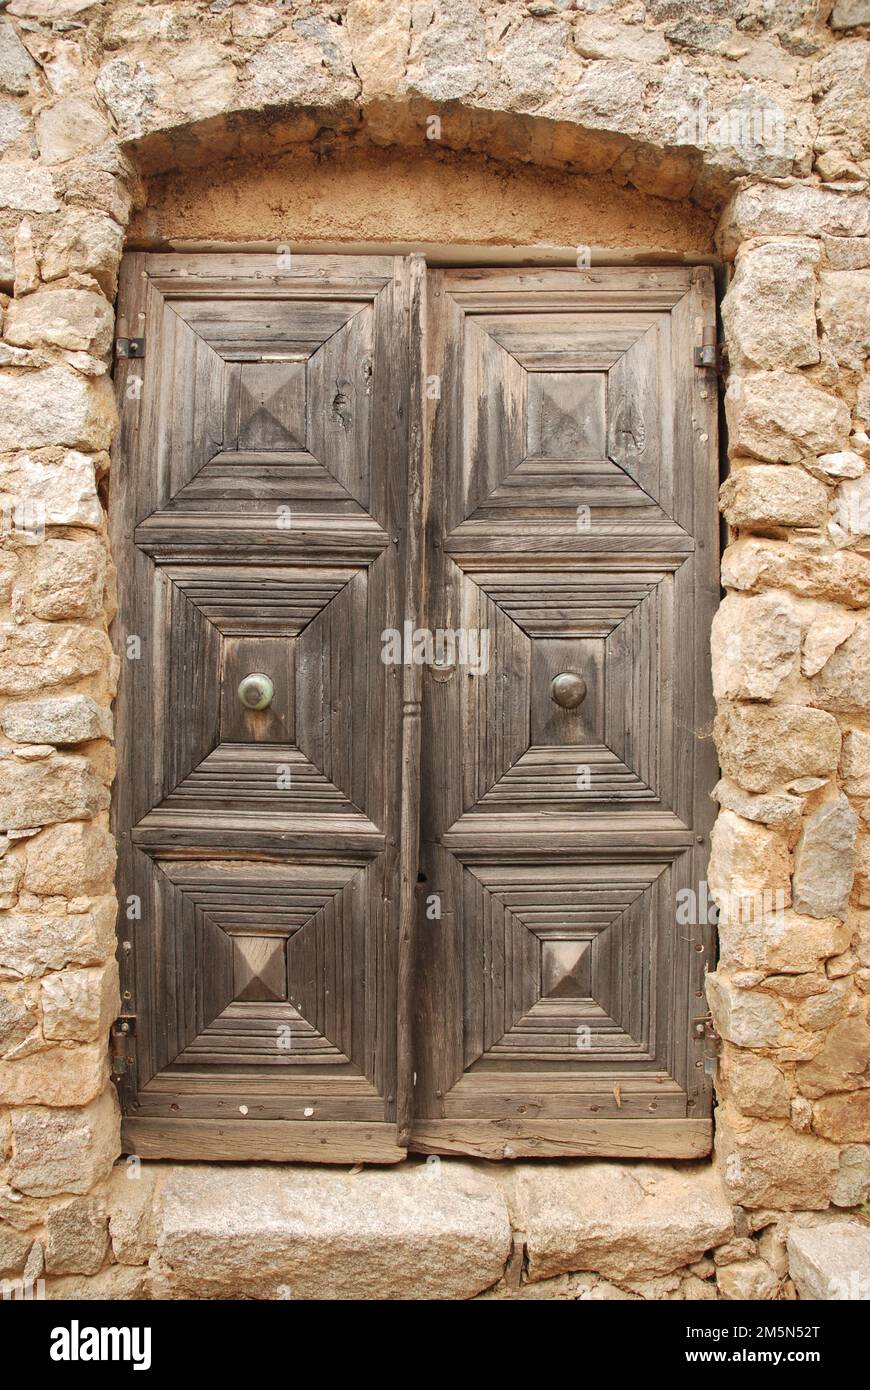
(841, 576)
(77, 1237)
(65, 1076)
(115, 1283)
(824, 861)
(850, 511)
(769, 495)
(134, 1206)
(18, 1019)
(848, 14)
(844, 1119)
(379, 39)
(55, 406)
(422, 1231)
(67, 580)
(75, 859)
(843, 684)
(823, 1010)
(55, 719)
(762, 747)
(60, 787)
(755, 1084)
(60, 484)
(793, 210)
(36, 655)
(843, 1063)
(10, 877)
(747, 858)
(262, 21)
(830, 1262)
(76, 319)
(766, 1163)
(782, 417)
(64, 1150)
(769, 311)
(748, 1279)
(782, 810)
(754, 645)
(832, 467)
(746, 1017)
(303, 71)
(16, 65)
(625, 1223)
(828, 630)
(86, 242)
(27, 188)
(783, 941)
(598, 37)
(14, 1249)
(80, 1005)
(68, 128)
(852, 1186)
(447, 53)
(844, 313)
(35, 942)
(847, 253)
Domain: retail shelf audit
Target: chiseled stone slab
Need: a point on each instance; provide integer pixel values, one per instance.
(624, 1223)
(422, 1231)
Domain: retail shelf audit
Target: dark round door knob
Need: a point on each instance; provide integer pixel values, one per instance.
(568, 690)
(256, 691)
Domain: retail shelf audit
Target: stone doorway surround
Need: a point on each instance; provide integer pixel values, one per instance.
(618, 132)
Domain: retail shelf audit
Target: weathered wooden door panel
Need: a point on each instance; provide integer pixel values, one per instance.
(572, 534)
(260, 517)
(281, 498)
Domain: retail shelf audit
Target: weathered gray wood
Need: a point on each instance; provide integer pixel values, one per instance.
(278, 1141)
(260, 477)
(574, 1138)
(571, 538)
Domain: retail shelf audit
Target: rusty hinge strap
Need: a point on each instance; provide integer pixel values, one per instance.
(130, 347)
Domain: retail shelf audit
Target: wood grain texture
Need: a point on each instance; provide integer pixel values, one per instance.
(411, 906)
(260, 475)
(570, 434)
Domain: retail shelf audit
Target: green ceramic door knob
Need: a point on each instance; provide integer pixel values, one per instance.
(256, 691)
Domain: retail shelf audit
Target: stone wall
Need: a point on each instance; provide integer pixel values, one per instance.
(668, 115)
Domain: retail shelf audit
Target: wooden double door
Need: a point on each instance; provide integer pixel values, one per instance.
(416, 571)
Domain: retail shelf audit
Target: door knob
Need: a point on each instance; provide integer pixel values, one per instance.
(568, 690)
(256, 691)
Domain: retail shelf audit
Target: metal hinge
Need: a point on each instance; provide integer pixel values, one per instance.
(704, 1030)
(704, 1027)
(706, 354)
(121, 1038)
(130, 347)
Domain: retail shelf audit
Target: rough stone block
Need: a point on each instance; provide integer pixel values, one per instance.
(58, 719)
(769, 311)
(422, 1231)
(35, 942)
(75, 859)
(825, 860)
(56, 406)
(830, 1262)
(64, 1150)
(761, 747)
(60, 787)
(760, 495)
(623, 1222)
